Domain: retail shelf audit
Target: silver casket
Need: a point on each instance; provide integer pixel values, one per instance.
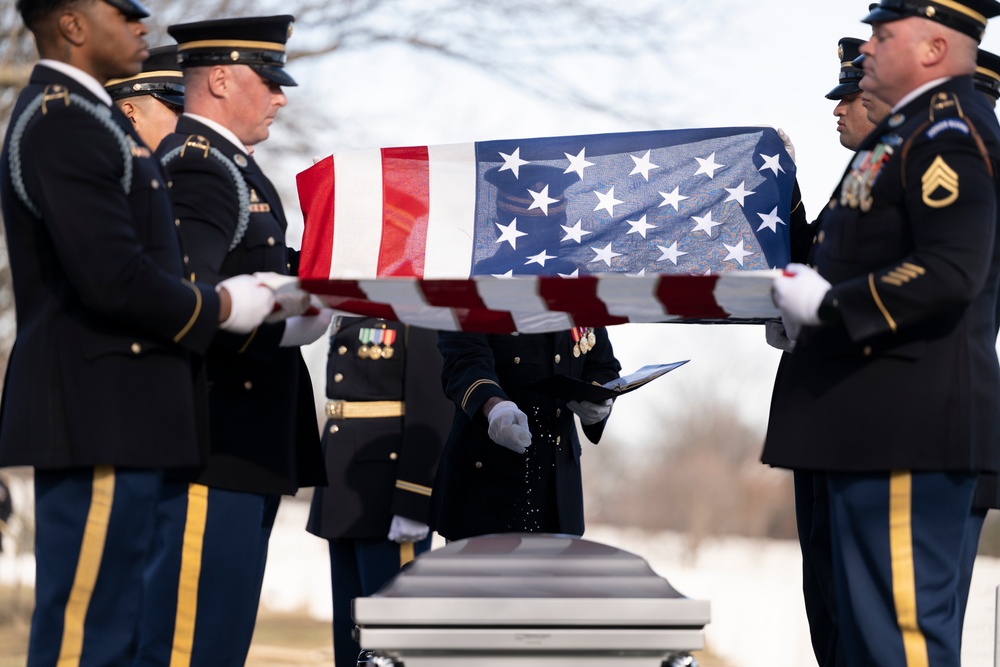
(529, 599)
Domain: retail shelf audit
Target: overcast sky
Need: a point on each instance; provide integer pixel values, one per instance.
(757, 62)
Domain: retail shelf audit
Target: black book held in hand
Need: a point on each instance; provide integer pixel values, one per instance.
(571, 389)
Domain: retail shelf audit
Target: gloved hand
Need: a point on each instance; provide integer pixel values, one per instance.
(290, 300)
(250, 302)
(780, 336)
(305, 329)
(590, 413)
(789, 148)
(800, 294)
(407, 530)
(509, 427)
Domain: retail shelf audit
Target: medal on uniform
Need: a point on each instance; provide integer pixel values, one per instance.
(581, 340)
(365, 336)
(375, 349)
(591, 337)
(389, 339)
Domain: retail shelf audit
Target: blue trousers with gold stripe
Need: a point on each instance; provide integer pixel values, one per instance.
(204, 576)
(94, 528)
(898, 541)
(359, 567)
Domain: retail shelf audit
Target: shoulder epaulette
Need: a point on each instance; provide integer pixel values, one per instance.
(46, 101)
(945, 113)
(197, 145)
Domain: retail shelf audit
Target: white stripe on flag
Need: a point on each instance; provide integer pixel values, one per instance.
(520, 294)
(747, 293)
(400, 292)
(357, 214)
(541, 322)
(451, 221)
(408, 302)
(633, 297)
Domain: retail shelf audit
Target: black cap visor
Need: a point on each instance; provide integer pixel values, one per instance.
(844, 90)
(131, 9)
(273, 73)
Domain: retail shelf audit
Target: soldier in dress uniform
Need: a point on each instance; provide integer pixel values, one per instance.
(896, 360)
(387, 420)
(154, 98)
(512, 460)
(854, 111)
(203, 584)
(100, 394)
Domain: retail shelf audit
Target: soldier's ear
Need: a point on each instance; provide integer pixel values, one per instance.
(72, 27)
(129, 110)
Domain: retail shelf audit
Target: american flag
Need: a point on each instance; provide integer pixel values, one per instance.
(678, 202)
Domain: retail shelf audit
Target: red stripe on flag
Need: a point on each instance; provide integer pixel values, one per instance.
(690, 296)
(316, 190)
(342, 288)
(452, 294)
(480, 320)
(578, 297)
(405, 206)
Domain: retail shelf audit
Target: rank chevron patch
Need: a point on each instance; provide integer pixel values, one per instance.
(939, 176)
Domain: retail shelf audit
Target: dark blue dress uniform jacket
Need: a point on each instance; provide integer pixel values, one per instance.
(908, 378)
(382, 466)
(480, 484)
(100, 372)
(264, 435)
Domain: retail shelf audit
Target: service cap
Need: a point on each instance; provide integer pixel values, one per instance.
(987, 76)
(966, 16)
(255, 41)
(160, 77)
(850, 74)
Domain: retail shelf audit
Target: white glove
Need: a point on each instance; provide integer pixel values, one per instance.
(800, 294)
(407, 530)
(789, 148)
(509, 427)
(780, 336)
(249, 303)
(305, 329)
(289, 299)
(590, 413)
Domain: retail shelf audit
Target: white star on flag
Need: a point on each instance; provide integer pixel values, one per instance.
(577, 163)
(736, 252)
(770, 220)
(672, 199)
(504, 276)
(643, 165)
(575, 233)
(510, 233)
(771, 162)
(739, 193)
(705, 223)
(671, 253)
(605, 255)
(541, 257)
(575, 274)
(541, 200)
(513, 161)
(608, 201)
(642, 272)
(639, 226)
(707, 166)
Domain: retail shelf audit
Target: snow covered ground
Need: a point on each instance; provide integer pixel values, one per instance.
(753, 587)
